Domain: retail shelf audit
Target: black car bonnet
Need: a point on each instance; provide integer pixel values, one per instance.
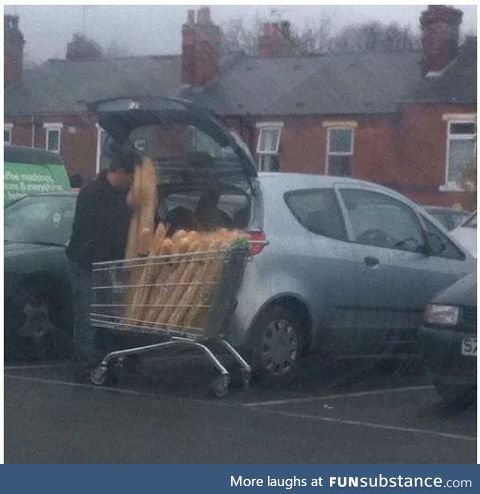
(119, 117)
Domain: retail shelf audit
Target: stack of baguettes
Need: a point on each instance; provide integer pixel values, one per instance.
(172, 291)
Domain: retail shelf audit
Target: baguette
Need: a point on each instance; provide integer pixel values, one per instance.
(149, 272)
(197, 316)
(195, 291)
(144, 195)
(184, 275)
(160, 293)
(133, 232)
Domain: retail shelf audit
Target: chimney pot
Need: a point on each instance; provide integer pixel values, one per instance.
(12, 50)
(440, 35)
(275, 40)
(203, 16)
(200, 49)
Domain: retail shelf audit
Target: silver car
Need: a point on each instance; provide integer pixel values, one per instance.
(348, 268)
(343, 266)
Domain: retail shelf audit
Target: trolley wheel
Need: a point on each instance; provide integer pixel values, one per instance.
(99, 375)
(221, 385)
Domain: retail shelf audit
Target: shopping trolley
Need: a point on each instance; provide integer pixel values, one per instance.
(186, 299)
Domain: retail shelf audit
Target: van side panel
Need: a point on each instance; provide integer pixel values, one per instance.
(21, 179)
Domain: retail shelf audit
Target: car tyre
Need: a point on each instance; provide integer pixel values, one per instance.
(37, 328)
(277, 344)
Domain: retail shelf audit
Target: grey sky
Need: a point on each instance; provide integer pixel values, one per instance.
(157, 29)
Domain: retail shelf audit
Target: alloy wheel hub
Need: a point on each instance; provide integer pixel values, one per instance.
(280, 346)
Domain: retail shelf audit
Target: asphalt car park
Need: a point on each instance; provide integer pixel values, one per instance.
(348, 412)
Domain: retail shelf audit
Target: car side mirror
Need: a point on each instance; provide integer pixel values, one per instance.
(435, 244)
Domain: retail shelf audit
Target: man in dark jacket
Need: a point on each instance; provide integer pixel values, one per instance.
(100, 233)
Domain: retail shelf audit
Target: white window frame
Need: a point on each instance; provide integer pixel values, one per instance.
(451, 120)
(262, 153)
(53, 127)
(339, 153)
(100, 131)
(8, 127)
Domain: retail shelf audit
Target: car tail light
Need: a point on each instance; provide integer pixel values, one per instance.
(257, 242)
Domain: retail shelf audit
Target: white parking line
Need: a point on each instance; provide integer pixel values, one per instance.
(335, 396)
(372, 425)
(262, 410)
(120, 391)
(82, 385)
(35, 366)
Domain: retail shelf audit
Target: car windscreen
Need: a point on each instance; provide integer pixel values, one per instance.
(40, 220)
(471, 222)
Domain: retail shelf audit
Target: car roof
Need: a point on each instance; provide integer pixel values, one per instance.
(34, 156)
(60, 193)
(441, 209)
(308, 179)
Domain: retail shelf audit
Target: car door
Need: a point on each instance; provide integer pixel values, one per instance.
(395, 276)
(327, 265)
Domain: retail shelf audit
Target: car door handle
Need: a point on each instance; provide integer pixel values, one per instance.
(371, 262)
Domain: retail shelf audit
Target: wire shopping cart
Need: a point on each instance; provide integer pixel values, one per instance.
(187, 299)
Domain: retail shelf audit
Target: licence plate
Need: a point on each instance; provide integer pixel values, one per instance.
(469, 347)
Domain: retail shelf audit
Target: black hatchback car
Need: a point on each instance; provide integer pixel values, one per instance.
(37, 294)
(449, 337)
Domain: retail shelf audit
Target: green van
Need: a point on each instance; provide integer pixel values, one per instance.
(32, 170)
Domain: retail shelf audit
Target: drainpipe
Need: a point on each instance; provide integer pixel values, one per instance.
(33, 131)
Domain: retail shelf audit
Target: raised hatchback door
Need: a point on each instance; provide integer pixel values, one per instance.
(188, 143)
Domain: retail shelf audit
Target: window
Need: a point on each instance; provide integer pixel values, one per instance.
(340, 151)
(440, 245)
(37, 219)
(380, 220)
(53, 136)
(461, 151)
(7, 133)
(268, 146)
(318, 211)
(101, 161)
(471, 222)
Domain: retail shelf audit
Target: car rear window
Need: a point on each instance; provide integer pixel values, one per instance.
(318, 211)
(182, 209)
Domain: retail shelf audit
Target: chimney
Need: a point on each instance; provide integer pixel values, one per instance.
(200, 49)
(81, 48)
(12, 51)
(440, 33)
(276, 40)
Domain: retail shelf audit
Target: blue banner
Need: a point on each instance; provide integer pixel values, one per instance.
(220, 479)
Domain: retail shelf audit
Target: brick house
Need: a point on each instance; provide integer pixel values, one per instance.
(406, 120)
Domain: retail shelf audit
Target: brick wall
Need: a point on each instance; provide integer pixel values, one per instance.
(406, 152)
(422, 153)
(78, 147)
(304, 145)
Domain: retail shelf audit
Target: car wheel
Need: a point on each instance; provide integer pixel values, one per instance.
(455, 394)
(278, 342)
(37, 324)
